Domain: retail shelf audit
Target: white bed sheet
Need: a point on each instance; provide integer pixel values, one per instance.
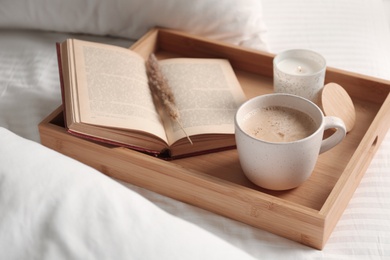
(332, 29)
(29, 90)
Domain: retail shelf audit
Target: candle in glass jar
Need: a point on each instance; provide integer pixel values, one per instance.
(299, 72)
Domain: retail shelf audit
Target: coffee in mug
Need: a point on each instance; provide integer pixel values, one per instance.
(279, 137)
(278, 124)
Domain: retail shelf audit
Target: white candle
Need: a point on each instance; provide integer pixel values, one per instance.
(298, 66)
(299, 72)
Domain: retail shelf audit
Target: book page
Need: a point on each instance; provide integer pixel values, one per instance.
(207, 94)
(113, 89)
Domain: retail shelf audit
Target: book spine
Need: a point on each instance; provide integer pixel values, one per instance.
(113, 143)
(61, 76)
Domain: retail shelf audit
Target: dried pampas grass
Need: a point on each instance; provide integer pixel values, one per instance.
(160, 87)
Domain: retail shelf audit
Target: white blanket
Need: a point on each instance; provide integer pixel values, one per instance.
(53, 207)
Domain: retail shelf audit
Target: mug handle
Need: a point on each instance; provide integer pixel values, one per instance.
(336, 137)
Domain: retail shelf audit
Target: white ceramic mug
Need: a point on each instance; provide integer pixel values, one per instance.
(283, 165)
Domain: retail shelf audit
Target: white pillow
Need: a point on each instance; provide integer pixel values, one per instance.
(234, 21)
(53, 207)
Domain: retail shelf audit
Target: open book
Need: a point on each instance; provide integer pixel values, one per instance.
(107, 98)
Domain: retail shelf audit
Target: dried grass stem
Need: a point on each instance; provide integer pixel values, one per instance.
(159, 86)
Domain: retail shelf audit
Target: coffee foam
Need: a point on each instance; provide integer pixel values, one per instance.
(278, 124)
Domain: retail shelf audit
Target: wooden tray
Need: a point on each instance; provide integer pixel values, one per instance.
(215, 181)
